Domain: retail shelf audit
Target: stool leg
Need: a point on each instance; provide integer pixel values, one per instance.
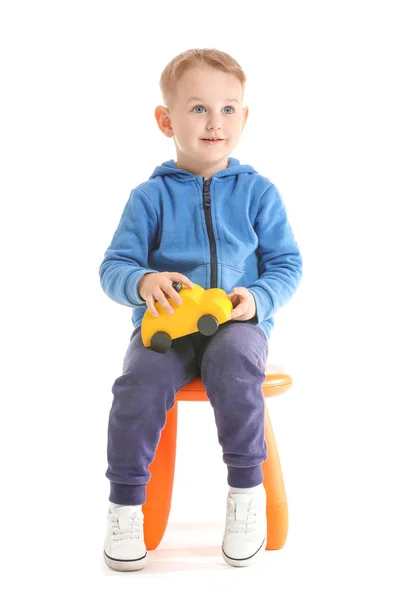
(157, 507)
(277, 507)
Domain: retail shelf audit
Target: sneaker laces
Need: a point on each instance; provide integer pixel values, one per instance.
(125, 527)
(241, 515)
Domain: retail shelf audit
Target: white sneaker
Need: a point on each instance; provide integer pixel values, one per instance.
(246, 526)
(125, 548)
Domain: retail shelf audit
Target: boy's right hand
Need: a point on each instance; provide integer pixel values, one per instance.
(153, 286)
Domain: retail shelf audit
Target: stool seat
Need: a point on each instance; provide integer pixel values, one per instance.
(276, 382)
(159, 489)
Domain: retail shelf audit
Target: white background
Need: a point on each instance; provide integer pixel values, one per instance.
(79, 89)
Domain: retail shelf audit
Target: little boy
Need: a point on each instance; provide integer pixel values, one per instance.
(209, 220)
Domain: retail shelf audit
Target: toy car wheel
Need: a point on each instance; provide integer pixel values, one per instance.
(207, 325)
(161, 341)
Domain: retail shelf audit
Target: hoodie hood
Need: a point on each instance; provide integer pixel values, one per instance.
(169, 168)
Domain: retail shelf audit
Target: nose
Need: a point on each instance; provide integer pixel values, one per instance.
(213, 125)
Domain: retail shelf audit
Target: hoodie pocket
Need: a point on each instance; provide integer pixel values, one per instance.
(199, 275)
(231, 277)
(228, 277)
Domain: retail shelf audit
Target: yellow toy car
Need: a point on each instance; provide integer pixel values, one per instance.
(201, 310)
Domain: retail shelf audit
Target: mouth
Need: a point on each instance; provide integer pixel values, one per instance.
(212, 140)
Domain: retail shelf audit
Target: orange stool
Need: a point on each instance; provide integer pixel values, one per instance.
(159, 489)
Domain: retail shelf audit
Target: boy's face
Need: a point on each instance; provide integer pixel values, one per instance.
(207, 104)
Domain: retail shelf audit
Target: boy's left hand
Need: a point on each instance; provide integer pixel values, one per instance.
(244, 306)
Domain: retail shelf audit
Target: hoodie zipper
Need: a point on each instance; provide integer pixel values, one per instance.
(210, 231)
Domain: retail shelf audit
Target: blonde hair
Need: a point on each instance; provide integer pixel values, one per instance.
(197, 57)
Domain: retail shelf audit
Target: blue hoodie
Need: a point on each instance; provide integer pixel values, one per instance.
(230, 230)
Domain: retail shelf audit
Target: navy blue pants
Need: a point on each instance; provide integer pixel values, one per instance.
(231, 364)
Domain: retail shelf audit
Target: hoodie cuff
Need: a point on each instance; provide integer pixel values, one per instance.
(131, 286)
(264, 304)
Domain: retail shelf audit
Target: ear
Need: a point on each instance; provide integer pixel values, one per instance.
(163, 120)
(245, 117)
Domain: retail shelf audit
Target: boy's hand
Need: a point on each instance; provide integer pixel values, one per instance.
(154, 286)
(244, 306)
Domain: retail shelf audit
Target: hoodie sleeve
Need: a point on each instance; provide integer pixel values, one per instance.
(126, 259)
(280, 261)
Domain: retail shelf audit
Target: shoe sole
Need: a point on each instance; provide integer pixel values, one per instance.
(242, 562)
(125, 565)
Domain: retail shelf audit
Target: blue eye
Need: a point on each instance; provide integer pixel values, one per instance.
(201, 106)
